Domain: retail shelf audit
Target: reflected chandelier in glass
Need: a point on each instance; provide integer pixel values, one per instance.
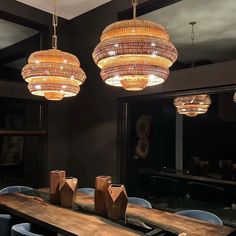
(193, 105)
(134, 54)
(52, 73)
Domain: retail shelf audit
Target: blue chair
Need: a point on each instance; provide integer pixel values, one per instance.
(90, 191)
(201, 215)
(139, 202)
(5, 220)
(24, 229)
(15, 189)
(5, 225)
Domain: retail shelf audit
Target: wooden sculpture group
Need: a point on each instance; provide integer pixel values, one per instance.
(110, 200)
(62, 189)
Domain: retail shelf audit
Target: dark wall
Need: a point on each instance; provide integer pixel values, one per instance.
(56, 157)
(92, 115)
(92, 118)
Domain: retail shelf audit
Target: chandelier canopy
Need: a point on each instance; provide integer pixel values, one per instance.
(192, 105)
(134, 54)
(52, 73)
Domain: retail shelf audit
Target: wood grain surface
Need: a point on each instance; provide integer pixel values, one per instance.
(60, 220)
(169, 221)
(69, 222)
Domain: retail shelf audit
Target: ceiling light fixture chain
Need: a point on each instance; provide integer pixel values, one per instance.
(192, 23)
(134, 3)
(54, 24)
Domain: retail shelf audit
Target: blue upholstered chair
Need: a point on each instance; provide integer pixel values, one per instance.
(201, 215)
(5, 225)
(90, 191)
(11, 189)
(139, 202)
(15, 189)
(23, 229)
(5, 220)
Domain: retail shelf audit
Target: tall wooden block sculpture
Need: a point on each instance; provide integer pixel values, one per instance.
(55, 177)
(68, 190)
(116, 202)
(101, 191)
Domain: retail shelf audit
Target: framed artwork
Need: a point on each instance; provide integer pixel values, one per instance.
(143, 129)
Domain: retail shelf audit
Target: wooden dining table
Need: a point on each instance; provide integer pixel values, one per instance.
(69, 222)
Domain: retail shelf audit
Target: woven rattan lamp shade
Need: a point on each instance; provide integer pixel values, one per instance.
(134, 54)
(53, 74)
(192, 105)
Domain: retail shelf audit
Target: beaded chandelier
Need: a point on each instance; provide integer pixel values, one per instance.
(52, 73)
(134, 54)
(192, 105)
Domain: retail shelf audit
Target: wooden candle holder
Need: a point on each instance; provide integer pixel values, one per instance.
(117, 201)
(55, 177)
(101, 191)
(68, 189)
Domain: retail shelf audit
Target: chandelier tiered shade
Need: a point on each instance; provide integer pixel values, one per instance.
(53, 74)
(134, 54)
(192, 105)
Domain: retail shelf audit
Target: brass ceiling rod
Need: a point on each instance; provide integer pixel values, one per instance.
(54, 24)
(192, 23)
(134, 3)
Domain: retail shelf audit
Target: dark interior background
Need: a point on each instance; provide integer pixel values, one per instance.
(90, 119)
(161, 139)
(47, 149)
(93, 114)
(210, 136)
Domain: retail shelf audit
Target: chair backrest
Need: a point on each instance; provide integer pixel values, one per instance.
(23, 229)
(5, 224)
(90, 191)
(201, 215)
(206, 192)
(15, 189)
(140, 202)
(164, 186)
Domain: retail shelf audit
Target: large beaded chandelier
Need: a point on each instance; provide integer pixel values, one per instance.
(52, 73)
(192, 105)
(134, 54)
